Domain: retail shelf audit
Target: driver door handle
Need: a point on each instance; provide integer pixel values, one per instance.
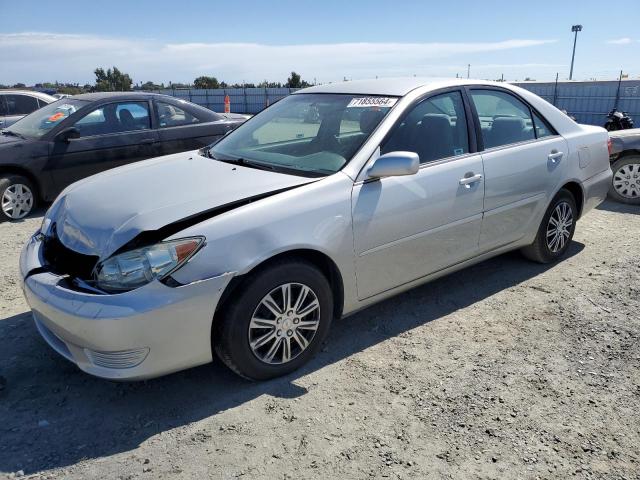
(467, 181)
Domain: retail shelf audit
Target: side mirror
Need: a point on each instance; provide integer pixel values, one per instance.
(395, 164)
(68, 134)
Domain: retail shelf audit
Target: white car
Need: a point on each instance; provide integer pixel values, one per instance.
(250, 248)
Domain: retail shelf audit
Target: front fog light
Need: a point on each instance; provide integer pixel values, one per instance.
(138, 267)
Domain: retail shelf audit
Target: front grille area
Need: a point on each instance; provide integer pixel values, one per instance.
(64, 261)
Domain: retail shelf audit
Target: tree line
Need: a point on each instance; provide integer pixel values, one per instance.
(114, 80)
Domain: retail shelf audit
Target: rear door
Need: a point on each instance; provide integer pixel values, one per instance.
(524, 160)
(180, 129)
(408, 227)
(111, 135)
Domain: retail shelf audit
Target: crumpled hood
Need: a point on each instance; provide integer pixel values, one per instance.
(100, 214)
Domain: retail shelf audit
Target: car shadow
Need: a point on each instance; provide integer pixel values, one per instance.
(617, 207)
(53, 415)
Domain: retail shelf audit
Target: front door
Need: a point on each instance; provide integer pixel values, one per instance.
(408, 227)
(110, 136)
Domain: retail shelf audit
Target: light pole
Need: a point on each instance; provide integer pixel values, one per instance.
(576, 29)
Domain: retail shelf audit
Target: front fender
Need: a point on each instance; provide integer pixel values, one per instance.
(313, 217)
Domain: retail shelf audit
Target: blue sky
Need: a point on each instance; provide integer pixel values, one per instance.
(323, 40)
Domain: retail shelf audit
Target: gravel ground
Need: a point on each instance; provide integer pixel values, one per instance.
(505, 370)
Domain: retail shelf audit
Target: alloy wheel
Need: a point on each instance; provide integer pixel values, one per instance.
(284, 323)
(559, 227)
(626, 180)
(17, 201)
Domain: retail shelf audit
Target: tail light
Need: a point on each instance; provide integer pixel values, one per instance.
(610, 146)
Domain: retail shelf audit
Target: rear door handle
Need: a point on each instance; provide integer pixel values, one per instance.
(467, 181)
(555, 156)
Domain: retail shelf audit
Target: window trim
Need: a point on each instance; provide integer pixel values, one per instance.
(478, 128)
(471, 134)
(102, 105)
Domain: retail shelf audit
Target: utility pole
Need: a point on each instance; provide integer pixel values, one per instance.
(575, 29)
(468, 70)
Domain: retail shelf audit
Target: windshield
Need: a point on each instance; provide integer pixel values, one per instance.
(310, 133)
(36, 124)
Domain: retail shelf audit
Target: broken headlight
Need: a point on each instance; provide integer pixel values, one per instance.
(132, 269)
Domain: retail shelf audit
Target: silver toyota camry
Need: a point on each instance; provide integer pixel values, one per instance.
(334, 198)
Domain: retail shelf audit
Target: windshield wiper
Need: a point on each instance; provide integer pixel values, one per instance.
(13, 134)
(242, 161)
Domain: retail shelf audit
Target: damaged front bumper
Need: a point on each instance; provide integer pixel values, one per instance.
(147, 332)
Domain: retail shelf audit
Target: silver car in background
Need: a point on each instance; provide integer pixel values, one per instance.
(251, 247)
(15, 104)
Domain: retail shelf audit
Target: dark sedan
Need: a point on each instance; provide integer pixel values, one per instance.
(79, 136)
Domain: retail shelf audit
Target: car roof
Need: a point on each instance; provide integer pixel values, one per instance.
(33, 93)
(116, 95)
(392, 86)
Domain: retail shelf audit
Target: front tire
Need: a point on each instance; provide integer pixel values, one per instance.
(275, 321)
(556, 230)
(625, 182)
(17, 197)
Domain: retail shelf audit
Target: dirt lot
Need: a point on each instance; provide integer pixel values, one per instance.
(505, 370)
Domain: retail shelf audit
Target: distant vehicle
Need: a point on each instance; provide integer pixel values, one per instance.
(617, 120)
(79, 136)
(61, 95)
(250, 248)
(625, 163)
(15, 104)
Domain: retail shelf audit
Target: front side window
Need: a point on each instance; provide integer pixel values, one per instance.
(115, 118)
(3, 106)
(436, 128)
(21, 104)
(313, 133)
(41, 121)
(173, 116)
(503, 118)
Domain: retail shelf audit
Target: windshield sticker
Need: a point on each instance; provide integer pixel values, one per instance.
(56, 116)
(365, 102)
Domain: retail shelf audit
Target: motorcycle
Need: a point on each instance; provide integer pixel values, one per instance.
(618, 121)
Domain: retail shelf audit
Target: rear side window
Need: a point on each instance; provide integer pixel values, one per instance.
(542, 127)
(436, 128)
(504, 119)
(20, 104)
(3, 106)
(173, 116)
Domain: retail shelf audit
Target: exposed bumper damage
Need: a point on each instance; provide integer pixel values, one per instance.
(144, 333)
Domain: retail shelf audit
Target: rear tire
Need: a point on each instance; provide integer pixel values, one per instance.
(17, 197)
(625, 182)
(257, 337)
(556, 230)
